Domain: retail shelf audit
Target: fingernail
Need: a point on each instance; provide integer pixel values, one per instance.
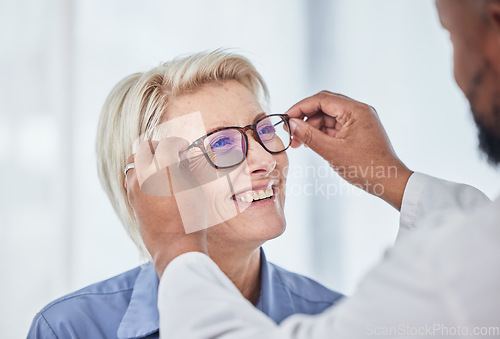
(293, 126)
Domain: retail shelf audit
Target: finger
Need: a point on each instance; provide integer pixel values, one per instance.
(131, 171)
(130, 180)
(322, 102)
(152, 178)
(329, 122)
(318, 141)
(130, 160)
(169, 151)
(316, 120)
(172, 154)
(295, 143)
(325, 124)
(144, 161)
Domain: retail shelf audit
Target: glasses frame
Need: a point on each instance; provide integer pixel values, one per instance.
(200, 142)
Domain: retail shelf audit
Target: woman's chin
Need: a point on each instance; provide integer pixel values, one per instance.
(262, 229)
(250, 227)
(256, 221)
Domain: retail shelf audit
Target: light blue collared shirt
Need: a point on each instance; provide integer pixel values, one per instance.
(125, 306)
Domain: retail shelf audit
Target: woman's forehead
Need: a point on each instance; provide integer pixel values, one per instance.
(220, 105)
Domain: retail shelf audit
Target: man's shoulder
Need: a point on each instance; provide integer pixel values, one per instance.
(303, 287)
(109, 298)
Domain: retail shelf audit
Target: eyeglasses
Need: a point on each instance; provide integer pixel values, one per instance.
(228, 147)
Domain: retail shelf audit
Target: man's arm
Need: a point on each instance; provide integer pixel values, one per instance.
(196, 300)
(438, 282)
(349, 135)
(428, 197)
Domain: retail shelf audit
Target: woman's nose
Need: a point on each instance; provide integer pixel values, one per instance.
(260, 162)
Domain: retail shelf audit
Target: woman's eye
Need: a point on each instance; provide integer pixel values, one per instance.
(222, 142)
(266, 130)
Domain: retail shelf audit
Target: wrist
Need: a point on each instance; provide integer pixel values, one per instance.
(189, 243)
(393, 187)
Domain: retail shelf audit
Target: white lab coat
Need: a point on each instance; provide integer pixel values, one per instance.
(442, 279)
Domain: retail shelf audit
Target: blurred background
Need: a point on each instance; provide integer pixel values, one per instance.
(60, 58)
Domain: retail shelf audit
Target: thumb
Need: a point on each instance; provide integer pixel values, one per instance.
(304, 133)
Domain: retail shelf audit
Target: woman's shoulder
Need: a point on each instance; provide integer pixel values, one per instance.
(84, 307)
(120, 283)
(303, 287)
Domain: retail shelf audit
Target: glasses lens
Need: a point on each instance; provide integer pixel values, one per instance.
(274, 133)
(225, 148)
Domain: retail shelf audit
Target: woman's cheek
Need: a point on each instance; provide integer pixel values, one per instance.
(202, 171)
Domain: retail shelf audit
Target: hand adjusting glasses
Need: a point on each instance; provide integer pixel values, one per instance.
(228, 147)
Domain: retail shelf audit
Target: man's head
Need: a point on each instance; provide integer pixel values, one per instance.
(474, 27)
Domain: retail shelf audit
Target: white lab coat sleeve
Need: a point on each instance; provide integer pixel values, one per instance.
(196, 300)
(409, 291)
(428, 197)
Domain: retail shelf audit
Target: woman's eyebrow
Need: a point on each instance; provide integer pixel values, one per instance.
(216, 128)
(258, 116)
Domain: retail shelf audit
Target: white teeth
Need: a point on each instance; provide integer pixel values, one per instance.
(256, 195)
(261, 195)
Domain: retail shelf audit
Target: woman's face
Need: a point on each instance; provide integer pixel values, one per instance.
(238, 220)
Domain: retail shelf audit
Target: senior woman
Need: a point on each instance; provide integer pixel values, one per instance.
(240, 146)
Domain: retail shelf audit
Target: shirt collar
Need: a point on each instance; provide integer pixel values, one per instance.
(274, 298)
(141, 317)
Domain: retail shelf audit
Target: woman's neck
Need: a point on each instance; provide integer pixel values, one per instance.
(242, 268)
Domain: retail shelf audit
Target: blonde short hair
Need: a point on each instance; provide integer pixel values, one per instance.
(135, 107)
